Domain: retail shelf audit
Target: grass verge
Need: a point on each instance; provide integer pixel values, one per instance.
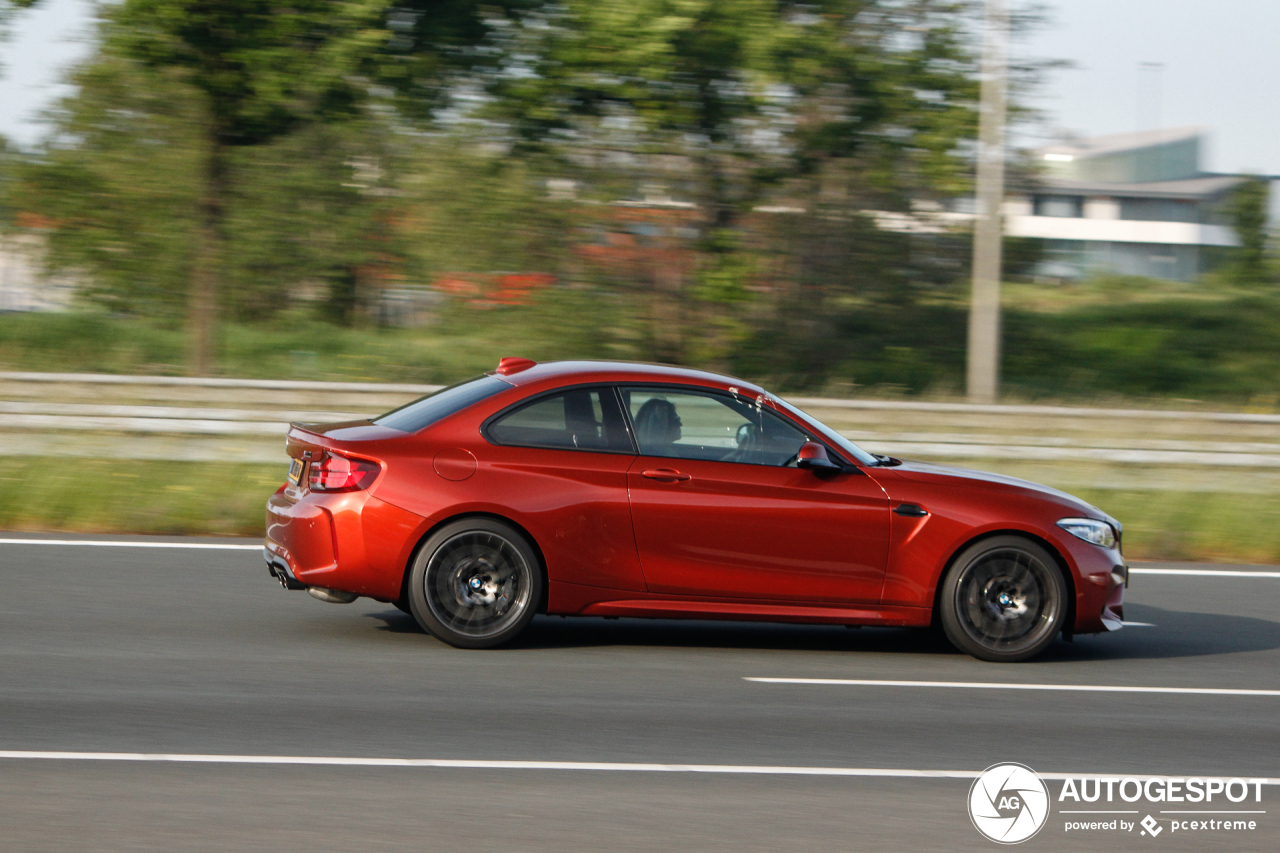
(221, 499)
(43, 493)
(1208, 527)
(1066, 344)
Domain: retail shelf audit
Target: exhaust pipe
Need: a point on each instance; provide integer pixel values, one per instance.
(279, 570)
(333, 596)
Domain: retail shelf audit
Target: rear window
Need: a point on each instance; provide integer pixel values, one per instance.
(425, 411)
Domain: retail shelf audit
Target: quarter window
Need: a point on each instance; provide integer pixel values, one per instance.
(578, 419)
(683, 424)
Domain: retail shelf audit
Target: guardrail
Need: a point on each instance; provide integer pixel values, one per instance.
(377, 388)
(204, 382)
(178, 417)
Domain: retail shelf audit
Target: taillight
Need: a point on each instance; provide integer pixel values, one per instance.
(341, 474)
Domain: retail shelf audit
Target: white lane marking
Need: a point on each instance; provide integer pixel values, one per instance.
(993, 685)
(1138, 624)
(1219, 573)
(105, 543)
(479, 764)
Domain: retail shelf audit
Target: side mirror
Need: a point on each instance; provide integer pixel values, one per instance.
(814, 457)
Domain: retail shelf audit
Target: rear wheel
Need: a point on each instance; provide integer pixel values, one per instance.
(1004, 599)
(475, 583)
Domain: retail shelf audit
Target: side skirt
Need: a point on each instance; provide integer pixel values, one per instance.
(591, 601)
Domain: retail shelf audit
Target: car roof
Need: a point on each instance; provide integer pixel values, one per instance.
(555, 373)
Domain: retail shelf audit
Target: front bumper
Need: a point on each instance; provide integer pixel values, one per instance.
(1112, 617)
(1100, 576)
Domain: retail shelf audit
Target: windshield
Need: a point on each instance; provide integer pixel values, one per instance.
(425, 411)
(831, 435)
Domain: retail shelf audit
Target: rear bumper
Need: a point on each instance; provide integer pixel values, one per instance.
(300, 539)
(278, 567)
(350, 541)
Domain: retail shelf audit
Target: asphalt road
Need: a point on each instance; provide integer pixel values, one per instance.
(197, 652)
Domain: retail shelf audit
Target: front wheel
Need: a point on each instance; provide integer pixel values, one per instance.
(1003, 600)
(475, 583)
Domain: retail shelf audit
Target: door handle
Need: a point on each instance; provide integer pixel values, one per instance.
(911, 510)
(665, 474)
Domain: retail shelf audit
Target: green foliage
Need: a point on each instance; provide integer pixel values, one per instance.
(1212, 350)
(730, 104)
(464, 341)
(1224, 350)
(121, 206)
(189, 80)
(474, 211)
(118, 193)
(263, 69)
(317, 207)
(750, 92)
(433, 42)
(1248, 210)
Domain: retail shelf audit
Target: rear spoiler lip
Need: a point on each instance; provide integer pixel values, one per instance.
(356, 438)
(320, 430)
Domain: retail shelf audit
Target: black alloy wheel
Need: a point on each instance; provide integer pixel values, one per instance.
(475, 583)
(1004, 599)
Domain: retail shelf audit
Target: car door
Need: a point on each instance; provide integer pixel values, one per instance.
(720, 509)
(559, 462)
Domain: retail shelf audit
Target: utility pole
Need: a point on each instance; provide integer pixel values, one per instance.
(984, 307)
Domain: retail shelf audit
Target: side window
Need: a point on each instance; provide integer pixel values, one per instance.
(578, 419)
(695, 425)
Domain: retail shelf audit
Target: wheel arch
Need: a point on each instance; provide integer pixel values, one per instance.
(520, 528)
(1069, 619)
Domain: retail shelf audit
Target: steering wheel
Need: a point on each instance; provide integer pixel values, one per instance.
(748, 441)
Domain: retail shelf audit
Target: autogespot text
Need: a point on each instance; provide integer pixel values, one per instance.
(1224, 804)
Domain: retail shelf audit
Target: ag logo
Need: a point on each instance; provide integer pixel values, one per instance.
(1008, 803)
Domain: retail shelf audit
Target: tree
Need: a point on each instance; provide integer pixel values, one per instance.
(733, 102)
(120, 185)
(261, 71)
(209, 153)
(1248, 210)
(117, 185)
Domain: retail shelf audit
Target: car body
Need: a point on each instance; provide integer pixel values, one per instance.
(630, 492)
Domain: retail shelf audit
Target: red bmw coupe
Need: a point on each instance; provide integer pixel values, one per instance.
(607, 489)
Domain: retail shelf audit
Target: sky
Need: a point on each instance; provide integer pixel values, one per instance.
(1137, 64)
(42, 43)
(1216, 61)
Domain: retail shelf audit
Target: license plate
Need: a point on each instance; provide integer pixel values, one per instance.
(295, 471)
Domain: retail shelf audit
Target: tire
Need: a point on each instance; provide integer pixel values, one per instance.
(1004, 600)
(475, 583)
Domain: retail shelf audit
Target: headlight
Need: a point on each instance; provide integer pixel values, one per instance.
(1096, 532)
